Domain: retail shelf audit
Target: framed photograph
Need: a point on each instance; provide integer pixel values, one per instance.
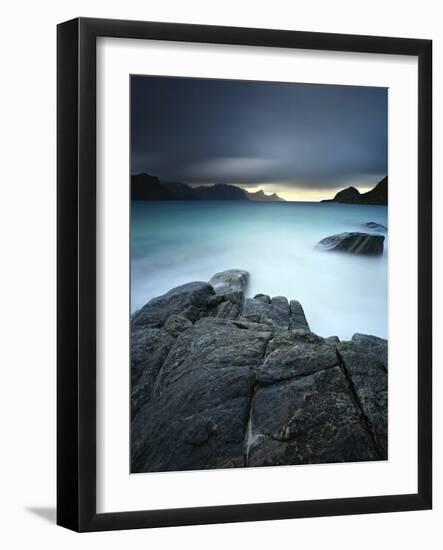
(244, 274)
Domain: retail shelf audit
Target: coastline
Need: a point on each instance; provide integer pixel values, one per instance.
(173, 243)
(220, 381)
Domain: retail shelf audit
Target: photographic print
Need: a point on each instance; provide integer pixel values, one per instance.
(259, 257)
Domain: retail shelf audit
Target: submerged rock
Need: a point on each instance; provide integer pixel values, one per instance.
(355, 243)
(377, 227)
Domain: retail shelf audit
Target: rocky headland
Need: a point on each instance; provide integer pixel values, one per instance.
(378, 195)
(221, 381)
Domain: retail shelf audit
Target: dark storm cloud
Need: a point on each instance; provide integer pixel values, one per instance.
(221, 131)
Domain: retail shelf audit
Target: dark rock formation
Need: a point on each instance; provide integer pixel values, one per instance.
(365, 362)
(376, 227)
(176, 324)
(314, 420)
(297, 317)
(188, 300)
(356, 243)
(220, 382)
(274, 313)
(351, 195)
(149, 349)
(232, 280)
(197, 416)
(229, 288)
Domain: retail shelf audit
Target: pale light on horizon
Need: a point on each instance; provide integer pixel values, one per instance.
(292, 194)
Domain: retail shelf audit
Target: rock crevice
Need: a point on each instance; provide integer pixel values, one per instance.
(358, 403)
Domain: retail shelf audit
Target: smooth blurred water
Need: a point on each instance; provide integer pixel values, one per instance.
(178, 242)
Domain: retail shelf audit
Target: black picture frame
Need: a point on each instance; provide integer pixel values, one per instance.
(76, 280)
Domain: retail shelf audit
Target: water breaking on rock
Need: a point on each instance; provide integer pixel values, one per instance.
(223, 381)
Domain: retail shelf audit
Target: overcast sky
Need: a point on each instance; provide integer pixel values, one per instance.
(299, 140)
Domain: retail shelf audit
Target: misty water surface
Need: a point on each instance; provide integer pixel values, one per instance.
(173, 243)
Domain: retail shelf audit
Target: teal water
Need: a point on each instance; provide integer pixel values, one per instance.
(173, 243)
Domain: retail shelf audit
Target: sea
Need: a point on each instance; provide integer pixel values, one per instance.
(176, 242)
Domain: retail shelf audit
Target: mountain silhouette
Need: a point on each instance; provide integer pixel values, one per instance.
(147, 187)
(351, 195)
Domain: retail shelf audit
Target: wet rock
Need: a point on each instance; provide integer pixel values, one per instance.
(149, 348)
(373, 226)
(314, 420)
(192, 313)
(229, 296)
(275, 313)
(228, 310)
(365, 360)
(286, 340)
(176, 301)
(176, 324)
(299, 359)
(214, 301)
(219, 384)
(231, 280)
(263, 298)
(214, 343)
(249, 325)
(372, 341)
(197, 416)
(355, 243)
(297, 318)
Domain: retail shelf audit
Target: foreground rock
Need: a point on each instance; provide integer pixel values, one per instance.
(365, 361)
(229, 286)
(197, 416)
(355, 243)
(232, 280)
(189, 300)
(149, 349)
(314, 420)
(254, 388)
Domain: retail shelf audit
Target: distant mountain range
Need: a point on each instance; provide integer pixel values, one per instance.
(260, 196)
(351, 195)
(150, 188)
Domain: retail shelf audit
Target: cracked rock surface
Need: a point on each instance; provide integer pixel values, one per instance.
(221, 381)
